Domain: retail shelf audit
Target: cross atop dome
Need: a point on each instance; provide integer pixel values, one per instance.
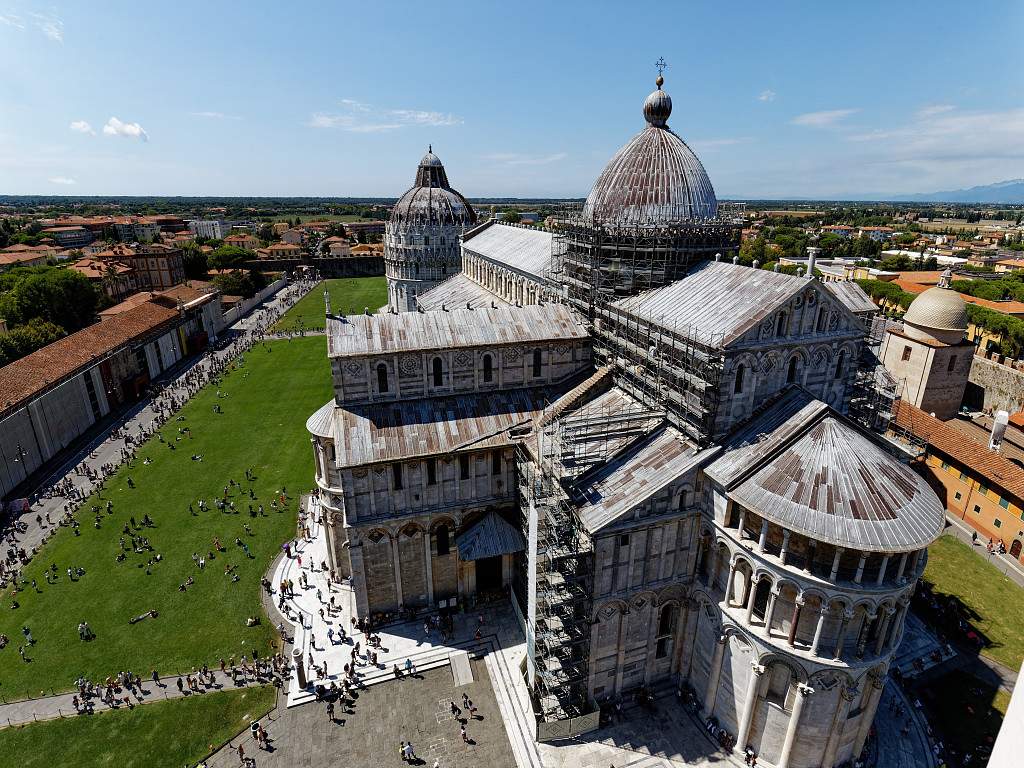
(662, 65)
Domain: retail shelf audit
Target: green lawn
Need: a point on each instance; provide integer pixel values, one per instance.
(165, 734)
(349, 295)
(262, 427)
(958, 569)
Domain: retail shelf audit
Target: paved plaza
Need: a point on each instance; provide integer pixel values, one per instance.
(368, 734)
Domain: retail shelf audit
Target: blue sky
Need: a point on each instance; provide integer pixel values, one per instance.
(519, 99)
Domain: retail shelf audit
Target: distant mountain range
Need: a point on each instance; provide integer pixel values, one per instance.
(1011, 191)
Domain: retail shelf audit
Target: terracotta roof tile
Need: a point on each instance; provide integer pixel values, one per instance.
(24, 378)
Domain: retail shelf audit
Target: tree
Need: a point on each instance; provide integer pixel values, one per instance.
(60, 296)
(241, 283)
(228, 256)
(194, 261)
(26, 339)
(511, 217)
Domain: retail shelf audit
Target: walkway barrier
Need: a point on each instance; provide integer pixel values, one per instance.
(554, 730)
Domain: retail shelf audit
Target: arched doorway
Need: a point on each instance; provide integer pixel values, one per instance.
(1015, 548)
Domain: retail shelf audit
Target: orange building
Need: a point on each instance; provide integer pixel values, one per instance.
(983, 488)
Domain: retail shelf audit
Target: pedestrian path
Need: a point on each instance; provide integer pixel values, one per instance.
(62, 705)
(105, 449)
(1009, 565)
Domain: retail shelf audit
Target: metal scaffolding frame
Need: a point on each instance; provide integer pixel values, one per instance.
(874, 389)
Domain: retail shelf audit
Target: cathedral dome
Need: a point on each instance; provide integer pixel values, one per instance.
(940, 309)
(431, 200)
(655, 179)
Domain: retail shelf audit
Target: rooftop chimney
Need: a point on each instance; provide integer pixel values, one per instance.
(998, 430)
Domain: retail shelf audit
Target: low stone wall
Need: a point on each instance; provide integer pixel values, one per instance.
(348, 266)
(1003, 385)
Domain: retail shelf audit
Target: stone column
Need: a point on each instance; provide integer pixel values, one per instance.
(769, 613)
(739, 528)
(398, 569)
(803, 691)
(901, 615)
(860, 568)
(901, 569)
(785, 546)
(714, 676)
(881, 571)
(749, 703)
(846, 697)
(835, 564)
(798, 604)
(428, 559)
(729, 584)
(752, 598)
(886, 620)
(621, 649)
(865, 630)
(823, 613)
(763, 540)
(868, 715)
(841, 635)
(812, 545)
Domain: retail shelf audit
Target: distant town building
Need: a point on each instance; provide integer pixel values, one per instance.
(70, 237)
(243, 240)
(116, 279)
(158, 266)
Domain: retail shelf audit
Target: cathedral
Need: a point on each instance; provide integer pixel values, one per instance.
(652, 452)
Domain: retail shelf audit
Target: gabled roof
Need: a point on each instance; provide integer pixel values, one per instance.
(455, 293)
(375, 434)
(852, 296)
(998, 470)
(489, 536)
(632, 477)
(803, 466)
(358, 335)
(521, 248)
(717, 300)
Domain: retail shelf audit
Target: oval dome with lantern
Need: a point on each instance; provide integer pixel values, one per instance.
(654, 179)
(939, 313)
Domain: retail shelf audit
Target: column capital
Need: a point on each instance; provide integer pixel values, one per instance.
(825, 609)
(849, 692)
(757, 669)
(800, 599)
(847, 614)
(804, 689)
(890, 610)
(722, 639)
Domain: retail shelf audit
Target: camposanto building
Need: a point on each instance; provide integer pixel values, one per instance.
(649, 450)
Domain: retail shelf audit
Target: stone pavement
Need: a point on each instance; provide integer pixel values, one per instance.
(104, 449)
(369, 733)
(53, 707)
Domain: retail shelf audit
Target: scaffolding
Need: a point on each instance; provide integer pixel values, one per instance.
(874, 391)
(599, 263)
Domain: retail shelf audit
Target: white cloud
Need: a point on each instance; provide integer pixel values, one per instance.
(11, 20)
(81, 126)
(766, 95)
(115, 127)
(358, 117)
(62, 180)
(215, 115)
(823, 119)
(935, 109)
(512, 158)
(50, 25)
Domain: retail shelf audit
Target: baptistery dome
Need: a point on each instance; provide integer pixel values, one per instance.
(653, 180)
(431, 200)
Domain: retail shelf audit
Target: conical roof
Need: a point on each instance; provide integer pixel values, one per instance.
(431, 199)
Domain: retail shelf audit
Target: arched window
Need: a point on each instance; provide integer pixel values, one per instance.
(822, 318)
(780, 324)
(840, 363)
(536, 363)
(791, 373)
(667, 621)
(438, 372)
(488, 369)
(382, 378)
(738, 386)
